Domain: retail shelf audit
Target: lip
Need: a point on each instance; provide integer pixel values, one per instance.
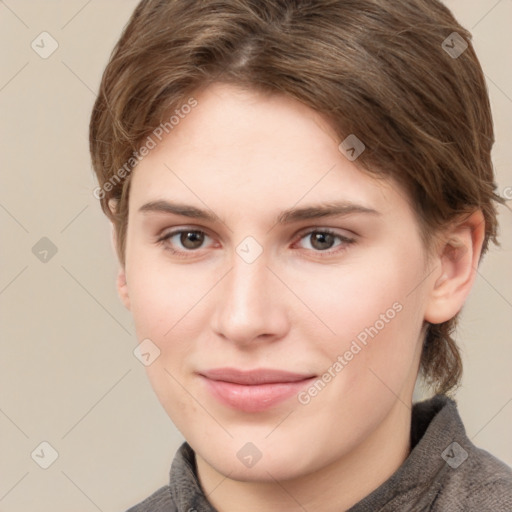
(253, 390)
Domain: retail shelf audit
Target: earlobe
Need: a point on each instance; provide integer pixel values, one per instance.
(112, 204)
(122, 285)
(122, 288)
(457, 264)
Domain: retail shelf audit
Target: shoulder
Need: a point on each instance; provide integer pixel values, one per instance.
(477, 481)
(453, 474)
(159, 501)
(183, 491)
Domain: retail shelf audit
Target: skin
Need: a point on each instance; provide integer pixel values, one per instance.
(297, 307)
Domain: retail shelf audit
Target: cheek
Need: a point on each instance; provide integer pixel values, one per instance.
(173, 394)
(373, 318)
(355, 299)
(163, 311)
(162, 295)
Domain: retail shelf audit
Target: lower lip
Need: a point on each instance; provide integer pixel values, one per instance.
(254, 398)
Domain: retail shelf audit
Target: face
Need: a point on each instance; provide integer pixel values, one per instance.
(267, 283)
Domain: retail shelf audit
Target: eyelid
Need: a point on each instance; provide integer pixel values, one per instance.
(299, 236)
(343, 233)
(165, 235)
(305, 231)
(345, 241)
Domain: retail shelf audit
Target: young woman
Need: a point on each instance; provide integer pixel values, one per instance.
(301, 192)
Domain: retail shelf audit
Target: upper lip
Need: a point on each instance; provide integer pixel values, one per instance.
(253, 377)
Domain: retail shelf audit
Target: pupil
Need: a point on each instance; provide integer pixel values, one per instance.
(323, 239)
(191, 236)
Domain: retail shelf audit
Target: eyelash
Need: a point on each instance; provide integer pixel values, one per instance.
(185, 254)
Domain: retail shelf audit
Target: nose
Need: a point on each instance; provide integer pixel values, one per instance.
(250, 303)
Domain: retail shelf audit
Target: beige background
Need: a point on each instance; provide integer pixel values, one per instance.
(67, 372)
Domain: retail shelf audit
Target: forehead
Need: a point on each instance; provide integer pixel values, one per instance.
(246, 150)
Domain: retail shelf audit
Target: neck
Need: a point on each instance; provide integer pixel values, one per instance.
(334, 488)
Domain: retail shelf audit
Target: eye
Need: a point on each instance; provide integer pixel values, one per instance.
(321, 240)
(189, 239)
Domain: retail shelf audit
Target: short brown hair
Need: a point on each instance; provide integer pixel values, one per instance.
(378, 69)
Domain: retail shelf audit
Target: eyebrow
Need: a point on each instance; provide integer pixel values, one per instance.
(316, 211)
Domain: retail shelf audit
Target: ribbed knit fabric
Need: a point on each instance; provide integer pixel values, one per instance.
(445, 472)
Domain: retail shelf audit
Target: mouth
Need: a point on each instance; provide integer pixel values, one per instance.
(254, 390)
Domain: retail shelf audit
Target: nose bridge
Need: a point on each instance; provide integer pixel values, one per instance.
(248, 280)
(247, 307)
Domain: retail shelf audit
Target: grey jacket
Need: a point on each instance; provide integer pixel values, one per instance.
(445, 472)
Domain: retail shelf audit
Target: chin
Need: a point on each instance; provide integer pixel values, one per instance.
(275, 462)
(260, 472)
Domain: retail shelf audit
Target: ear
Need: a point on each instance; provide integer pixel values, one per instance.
(122, 288)
(457, 264)
(122, 285)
